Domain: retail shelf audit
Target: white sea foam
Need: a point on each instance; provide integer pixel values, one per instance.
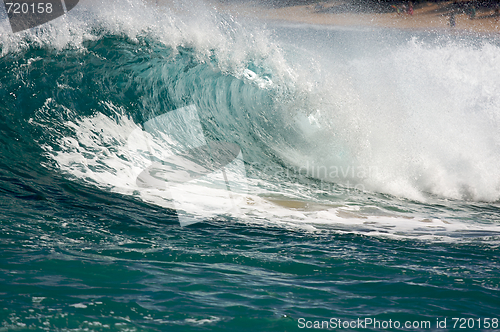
(425, 116)
(86, 158)
(422, 117)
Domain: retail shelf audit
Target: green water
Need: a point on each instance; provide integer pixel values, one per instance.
(83, 248)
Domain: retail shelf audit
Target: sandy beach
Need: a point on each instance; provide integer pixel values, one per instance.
(426, 16)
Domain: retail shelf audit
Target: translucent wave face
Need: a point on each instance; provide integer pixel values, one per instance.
(200, 177)
(169, 163)
(410, 119)
(150, 163)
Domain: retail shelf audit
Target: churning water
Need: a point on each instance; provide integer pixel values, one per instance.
(367, 182)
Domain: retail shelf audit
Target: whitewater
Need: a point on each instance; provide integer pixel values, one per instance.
(353, 171)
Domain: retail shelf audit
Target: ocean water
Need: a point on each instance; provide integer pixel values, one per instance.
(367, 187)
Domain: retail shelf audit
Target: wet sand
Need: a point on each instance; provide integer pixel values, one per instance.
(426, 16)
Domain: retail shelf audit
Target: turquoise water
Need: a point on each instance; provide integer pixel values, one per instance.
(371, 175)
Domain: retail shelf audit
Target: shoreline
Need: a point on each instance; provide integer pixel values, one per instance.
(427, 17)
